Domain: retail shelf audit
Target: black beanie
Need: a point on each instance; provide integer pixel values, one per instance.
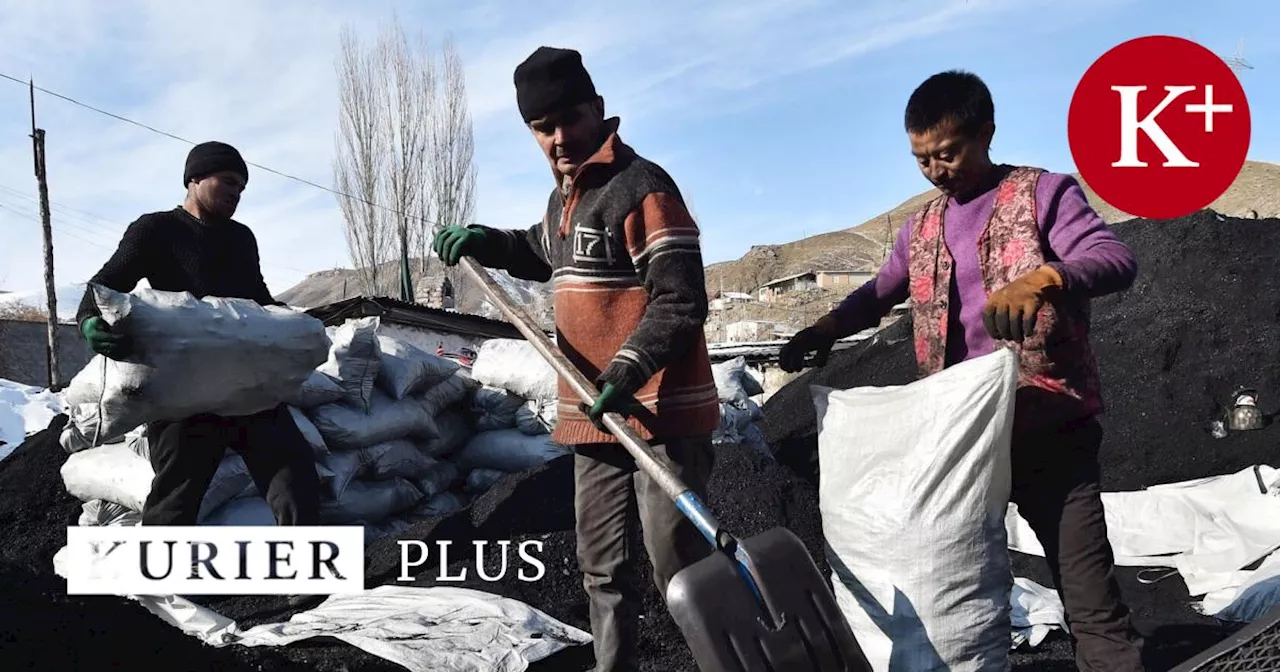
(208, 158)
(550, 80)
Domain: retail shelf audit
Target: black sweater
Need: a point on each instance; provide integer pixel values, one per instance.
(176, 252)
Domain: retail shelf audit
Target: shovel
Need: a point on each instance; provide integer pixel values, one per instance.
(753, 605)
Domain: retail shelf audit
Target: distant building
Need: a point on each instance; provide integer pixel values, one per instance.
(752, 331)
(834, 279)
(723, 300)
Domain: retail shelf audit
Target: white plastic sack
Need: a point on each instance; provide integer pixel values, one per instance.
(341, 467)
(354, 359)
(399, 457)
(515, 365)
(479, 480)
(914, 488)
(222, 356)
(452, 431)
(369, 501)
(101, 513)
(345, 427)
(112, 473)
(437, 480)
(406, 369)
(444, 395)
(509, 450)
(318, 389)
(537, 416)
(309, 432)
(733, 381)
(231, 480)
(495, 408)
(250, 509)
(443, 504)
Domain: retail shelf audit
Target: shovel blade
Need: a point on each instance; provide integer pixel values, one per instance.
(726, 629)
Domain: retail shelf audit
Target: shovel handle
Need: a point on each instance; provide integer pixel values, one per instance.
(686, 500)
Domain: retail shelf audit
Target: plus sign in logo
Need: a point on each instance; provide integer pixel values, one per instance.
(1159, 127)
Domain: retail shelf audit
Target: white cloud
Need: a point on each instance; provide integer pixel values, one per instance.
(260, 75)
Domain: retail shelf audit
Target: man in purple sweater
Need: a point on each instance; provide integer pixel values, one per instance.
(1009, 256)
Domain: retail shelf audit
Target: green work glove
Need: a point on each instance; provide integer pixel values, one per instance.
(456, 242)
(103, 341)
(611, 400)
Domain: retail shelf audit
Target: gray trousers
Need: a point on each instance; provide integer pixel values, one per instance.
(611, 497)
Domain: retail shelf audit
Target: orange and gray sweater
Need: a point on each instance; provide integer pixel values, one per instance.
(624, 257)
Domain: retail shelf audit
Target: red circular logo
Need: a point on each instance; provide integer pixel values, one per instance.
(1159, 127)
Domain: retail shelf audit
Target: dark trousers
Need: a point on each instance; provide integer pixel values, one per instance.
(185, 455)
(1056, 487)
(612, 497)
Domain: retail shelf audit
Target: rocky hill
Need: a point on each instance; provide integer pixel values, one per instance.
(325, 287)
(1255, 193)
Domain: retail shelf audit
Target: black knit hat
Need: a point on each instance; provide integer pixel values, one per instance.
(549, 80)
(212, 157)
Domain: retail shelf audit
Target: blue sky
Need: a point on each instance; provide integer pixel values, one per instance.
(778, 118)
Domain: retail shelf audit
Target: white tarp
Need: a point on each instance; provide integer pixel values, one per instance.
(438, 629)
(1037, 611)
(1207, 529)
(914, 487)
(213, 355)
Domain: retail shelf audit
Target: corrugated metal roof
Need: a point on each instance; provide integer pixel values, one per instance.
(414, 315)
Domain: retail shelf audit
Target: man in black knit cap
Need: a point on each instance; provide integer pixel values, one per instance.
(624, 256)
(198, 248)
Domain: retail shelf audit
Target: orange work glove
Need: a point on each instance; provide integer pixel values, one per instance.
(1010, 313)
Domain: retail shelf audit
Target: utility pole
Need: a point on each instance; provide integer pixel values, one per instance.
(37, 146)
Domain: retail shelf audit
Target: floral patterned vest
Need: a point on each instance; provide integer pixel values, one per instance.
(1058, 377)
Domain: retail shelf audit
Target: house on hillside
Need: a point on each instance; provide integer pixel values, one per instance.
(723, 300)
(421, 326)
(752, 331)
(845, 280)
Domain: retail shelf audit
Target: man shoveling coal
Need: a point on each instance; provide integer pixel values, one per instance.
(198, 248)
(1010, 256)
(623, 253)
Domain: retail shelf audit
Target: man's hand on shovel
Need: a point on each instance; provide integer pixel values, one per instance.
(611, 400)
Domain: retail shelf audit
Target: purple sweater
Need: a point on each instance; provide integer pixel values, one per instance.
(1091, 260)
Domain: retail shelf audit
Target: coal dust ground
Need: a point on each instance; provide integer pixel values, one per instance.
(41, 628)
(1200, 320)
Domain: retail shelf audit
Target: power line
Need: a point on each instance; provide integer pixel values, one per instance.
(167, 134)
(83, 223)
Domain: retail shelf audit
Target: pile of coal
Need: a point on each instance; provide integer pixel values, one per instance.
(1201, 320)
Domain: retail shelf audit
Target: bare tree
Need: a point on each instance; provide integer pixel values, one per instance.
(406, 151)
(360, 161)
(409, 87)
(451, 167)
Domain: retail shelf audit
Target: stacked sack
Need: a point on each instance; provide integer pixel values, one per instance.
(738, 411)
(514, 413)
(382, 417)
(398, 434)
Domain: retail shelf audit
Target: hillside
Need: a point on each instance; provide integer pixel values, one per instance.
(331, 286)
(863, 247)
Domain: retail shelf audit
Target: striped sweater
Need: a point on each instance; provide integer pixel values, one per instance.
(623, 254)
